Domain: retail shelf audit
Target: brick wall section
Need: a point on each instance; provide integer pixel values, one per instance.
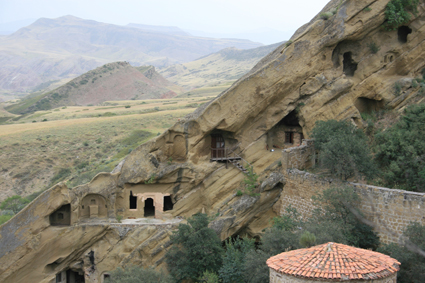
(391, 210)
(299, 157)
(276, 277)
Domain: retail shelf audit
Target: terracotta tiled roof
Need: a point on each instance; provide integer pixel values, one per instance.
(334, 261)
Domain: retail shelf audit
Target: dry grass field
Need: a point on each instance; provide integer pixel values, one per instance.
(75, 143)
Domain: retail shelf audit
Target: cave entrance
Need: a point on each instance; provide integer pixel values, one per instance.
(74, 277)
(286, 133)
(62, 216)
(402, 33)
(367, 105)
(149, 207)
(168, 204)
(133, 201)
(349, 66)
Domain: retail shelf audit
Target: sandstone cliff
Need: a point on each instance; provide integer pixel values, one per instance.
(327, 72)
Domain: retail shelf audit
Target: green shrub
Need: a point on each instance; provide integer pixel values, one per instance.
(60, 176)
(5, 218)
(232, 270)
(127, 106)
(326, 15)
(373, 47)
(195, 249)
(400, 151)
(250, 182)
(343, 149)
(397, 13)
(137, 274)
(209, 277)
(397, 89)
(14, 203)
(367, 9)
(289, 42)
(307, 239)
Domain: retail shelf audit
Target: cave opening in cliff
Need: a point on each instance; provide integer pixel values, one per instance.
(349, 66)
(62, 216)
(286, 133)
(168, 204)
(133, 201)
(149, 207)
(367, 105)
(74, 277)
(402, 33)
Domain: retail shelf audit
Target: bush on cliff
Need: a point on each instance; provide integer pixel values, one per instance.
(400, 151)
(343, 149)
(136, 274)
(397, 13)
(196, 249)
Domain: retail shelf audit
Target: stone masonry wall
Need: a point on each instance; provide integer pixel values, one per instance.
(299, 157)
(390, 210)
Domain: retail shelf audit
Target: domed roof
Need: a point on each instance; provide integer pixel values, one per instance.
(334, 261)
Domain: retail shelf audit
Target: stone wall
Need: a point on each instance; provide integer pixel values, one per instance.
(276, 277)
(299, 157)
(390, 210)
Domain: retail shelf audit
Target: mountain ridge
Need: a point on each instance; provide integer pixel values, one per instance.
(65, 47)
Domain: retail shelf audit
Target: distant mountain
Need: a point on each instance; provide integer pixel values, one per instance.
(54, 49)
(160, 29)
(226, 65)
(113, 81)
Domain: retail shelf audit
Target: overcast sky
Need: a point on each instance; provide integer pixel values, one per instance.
(213, 16)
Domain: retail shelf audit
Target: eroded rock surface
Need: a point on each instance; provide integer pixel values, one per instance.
(328, 72)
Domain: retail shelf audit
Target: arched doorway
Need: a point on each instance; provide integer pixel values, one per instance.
(149, 207)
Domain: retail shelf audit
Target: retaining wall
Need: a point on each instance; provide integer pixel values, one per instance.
(390, 210)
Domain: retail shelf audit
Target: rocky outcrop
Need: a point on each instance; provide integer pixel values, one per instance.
(327, 72)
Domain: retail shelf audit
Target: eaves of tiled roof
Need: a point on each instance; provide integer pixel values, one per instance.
(335, 262)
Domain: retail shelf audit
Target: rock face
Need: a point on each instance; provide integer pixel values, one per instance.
(327, 72)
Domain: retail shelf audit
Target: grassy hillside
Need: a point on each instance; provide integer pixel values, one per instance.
(75, 143)
(114, 81)
(220, 68)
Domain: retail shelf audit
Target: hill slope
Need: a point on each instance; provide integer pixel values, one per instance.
(328, 72)
(113, 81)
(221, 67)
(52, 49)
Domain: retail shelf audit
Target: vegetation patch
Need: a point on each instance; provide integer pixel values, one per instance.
(399, 12)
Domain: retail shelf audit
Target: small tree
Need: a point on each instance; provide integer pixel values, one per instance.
(343, 149)
(136, 274)
(397, 13)
(307, 239)
(400, 151)
(338, 210)
(14, 203)
(196, 248)
(232, 270)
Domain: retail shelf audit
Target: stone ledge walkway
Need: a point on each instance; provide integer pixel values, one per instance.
(129, 222)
